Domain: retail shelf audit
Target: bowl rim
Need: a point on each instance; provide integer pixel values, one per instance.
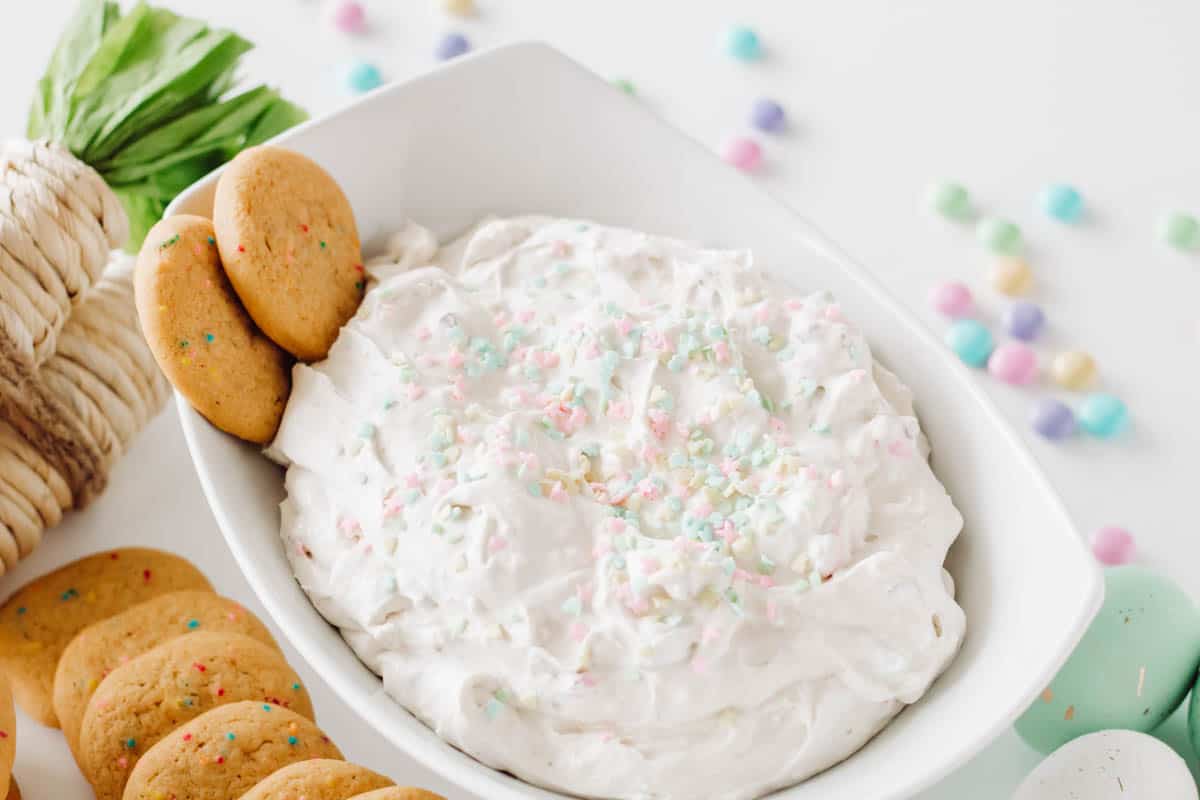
(447, 760)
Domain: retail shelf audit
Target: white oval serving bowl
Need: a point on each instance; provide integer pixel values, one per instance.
(524, 129)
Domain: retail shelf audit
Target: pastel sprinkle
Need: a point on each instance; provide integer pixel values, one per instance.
(1062, 202)
(131, 743)
(999, 235)
(1113, 545)
(230, 735)
(1180, 230)
(452, 45)
(193, 624)
(743, 153)
(293, 741)
(743, 43)
(363, 76)
(950, 200)
(767, 115)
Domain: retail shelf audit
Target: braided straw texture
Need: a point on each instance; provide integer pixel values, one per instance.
(77, 381)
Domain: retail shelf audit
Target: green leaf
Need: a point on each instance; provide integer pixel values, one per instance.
(78, 43)
(280, 117)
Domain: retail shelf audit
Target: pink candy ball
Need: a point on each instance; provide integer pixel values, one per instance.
(952, 299)
(745, 154)
(349, 17)
(1013, 362)
(1113, 545)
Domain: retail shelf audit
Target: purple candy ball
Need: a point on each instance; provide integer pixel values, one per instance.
(1053, 420)
(767, 115)
(1024, 320)
(451, 46)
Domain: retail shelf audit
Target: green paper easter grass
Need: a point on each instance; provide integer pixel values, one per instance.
(145, 100)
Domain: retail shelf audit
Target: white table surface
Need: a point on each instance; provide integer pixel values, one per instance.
(884, 97)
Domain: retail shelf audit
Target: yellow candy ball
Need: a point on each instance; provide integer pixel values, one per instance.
(459, 8)
(1073, 369)
(1011, 276)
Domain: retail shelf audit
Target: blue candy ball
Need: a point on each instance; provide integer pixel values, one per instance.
(767, 115)
(970, 341)
(451, 46)
(1052, 419)
(1103, 415)
(1024, 320)
(363, 76)
(1062, 202)
(742, 43)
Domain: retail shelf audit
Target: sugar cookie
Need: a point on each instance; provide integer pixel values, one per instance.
(317, 779)
(144, 700)
(226, 752)
(398, 793)
(41, 618)
(290, 246)
(100, 648)
(207, 345)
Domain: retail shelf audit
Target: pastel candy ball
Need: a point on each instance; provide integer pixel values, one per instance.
(459, 8)
(363, 76)
(1024, 320)
(1073, 369)
(626, 86)
(1181, 231)
(1132, 669)
(1062, 202)
(1113, 545)
(952, 299)
(1013, 362)
(742, 43)
(999, 235)
(1110, 765)
(349, 17)
(1011, 276)
(1052, 420)
(767, 115)
(950, 200)
(1103, 415)
(970, 341)
(745, 154)
(452, 45)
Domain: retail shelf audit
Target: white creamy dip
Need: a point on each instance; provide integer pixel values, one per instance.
(623, 516)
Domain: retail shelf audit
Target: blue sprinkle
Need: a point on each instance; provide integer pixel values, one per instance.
(193, 624)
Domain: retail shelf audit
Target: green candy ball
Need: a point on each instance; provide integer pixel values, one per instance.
(1181, 231)
(1132, 669)
(999, 236)
(950, 200)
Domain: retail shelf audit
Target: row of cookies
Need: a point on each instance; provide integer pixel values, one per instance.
(160, 684)
(227, 304)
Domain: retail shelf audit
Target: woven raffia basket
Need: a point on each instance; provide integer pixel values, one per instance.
(132, 110)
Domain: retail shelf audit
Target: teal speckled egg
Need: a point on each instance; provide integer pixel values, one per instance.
(1133, 667)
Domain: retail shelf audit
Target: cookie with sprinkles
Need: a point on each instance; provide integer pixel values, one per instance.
(226, 752)
(8, 738)
(318, 779)
(41, 618)
(290, 246)
(101, 648)
(398, 793)
(142, 701)
(202, 338)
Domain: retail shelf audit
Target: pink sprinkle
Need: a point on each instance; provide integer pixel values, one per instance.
(607, 736)
(525, 316)
(499, 320)
(546, 359)
(703, 509)
(560, 248)
(766, 581)
(833, 313)
(529, 460)
(811, 472)
(187, 737)
(745, 154)
(772, 610)
(618, 410)
(122, 762)
(699, 665)
(776, 424)
(587, 679)
(412, 480)
(497, 543)
(424, 334)
(728, 532)
(650, 565)
(455, 359)
(579, 631)
(837, 480)
(899, 448)
(349, 17)
(710, 634)
(616, 524)
(427, 360)
(762, 313)
(415, 392)
(557, 493)
(601, 549)
(721, 351)
(446, 484)
(660, 423)
(624, 325)
(639, 605)
(591, 350)
(1113, 545)
(793, 304)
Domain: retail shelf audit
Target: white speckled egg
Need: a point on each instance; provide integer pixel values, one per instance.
(1110, 765)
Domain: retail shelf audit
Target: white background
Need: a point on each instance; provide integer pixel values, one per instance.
(884, 97)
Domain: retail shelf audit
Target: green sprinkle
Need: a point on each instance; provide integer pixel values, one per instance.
(21, 611)
(193, 624)
(359, 285)
(169, 242)
(211, 240)
(322, 244)
(230, 736)
(68, 594)
(367, 430)
(131, 743)
(293, 741)
(183, 342)
(208, 337)
(295, 687)
(266, 707)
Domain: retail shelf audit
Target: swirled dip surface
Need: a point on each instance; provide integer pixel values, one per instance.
(620, 515)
